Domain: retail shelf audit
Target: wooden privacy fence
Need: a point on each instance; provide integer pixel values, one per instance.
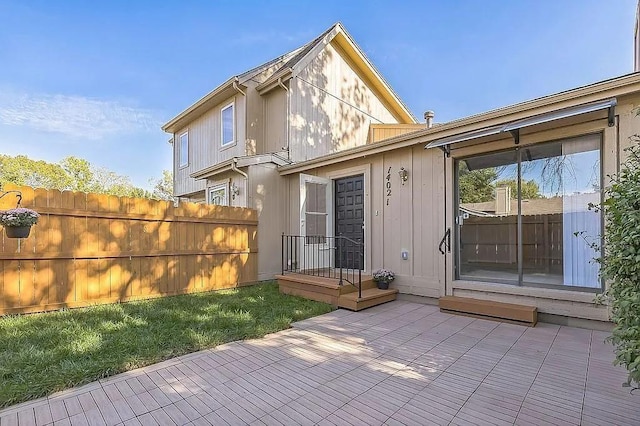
(89, 249)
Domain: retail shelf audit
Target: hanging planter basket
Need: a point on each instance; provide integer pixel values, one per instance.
(17, 231)
(17, 222)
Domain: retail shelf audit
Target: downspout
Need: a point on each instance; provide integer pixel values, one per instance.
(287, 107)
(235, 86)
(235, 168)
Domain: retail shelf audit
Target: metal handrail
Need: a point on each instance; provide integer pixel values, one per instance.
(338, 257)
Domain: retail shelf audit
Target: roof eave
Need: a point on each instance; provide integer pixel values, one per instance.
(274, 81)
(614, 87)
(202, 105)
(400, 108)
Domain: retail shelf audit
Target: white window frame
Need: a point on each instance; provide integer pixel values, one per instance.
(183, 161)
(231, 105)
(217, 187)
(329, 202)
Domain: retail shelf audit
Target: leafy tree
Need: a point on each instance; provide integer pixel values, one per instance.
(530, 188)
(163, 187)
(70, 174)
(620, 262)
(22, 170)
(81, 174)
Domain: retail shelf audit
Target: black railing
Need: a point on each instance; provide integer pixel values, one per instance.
(339, 258)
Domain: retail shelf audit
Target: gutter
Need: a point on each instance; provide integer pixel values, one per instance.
(235, 162)
(230, 84)
(235, 86)
(235, 168)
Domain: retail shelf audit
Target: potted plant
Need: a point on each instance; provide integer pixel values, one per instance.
(17, 222)
(383, 277)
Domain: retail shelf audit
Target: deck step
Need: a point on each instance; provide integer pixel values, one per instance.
(488, 309)
(329, 290)
(370, 297)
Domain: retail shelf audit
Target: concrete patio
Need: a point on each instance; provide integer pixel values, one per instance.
(398, 363)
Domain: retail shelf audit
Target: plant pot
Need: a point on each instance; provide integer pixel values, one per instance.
(17, 231)
(382, 285)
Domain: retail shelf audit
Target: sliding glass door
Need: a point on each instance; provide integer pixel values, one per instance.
(524, 215)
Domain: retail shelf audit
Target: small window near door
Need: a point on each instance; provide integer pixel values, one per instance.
(218, 195)
(184, 149)
(227, 119)
(316, 214)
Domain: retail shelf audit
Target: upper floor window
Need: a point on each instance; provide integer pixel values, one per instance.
(227, 119)
(184, 149)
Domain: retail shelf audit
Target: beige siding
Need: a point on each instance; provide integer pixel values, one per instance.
(415, 218)
(331, 107)
(205, 145)
(407, 222)
(276, 122)
(254, 123)
(231, 179)
(266, 192)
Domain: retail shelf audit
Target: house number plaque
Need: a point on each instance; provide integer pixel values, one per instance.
(388, 185)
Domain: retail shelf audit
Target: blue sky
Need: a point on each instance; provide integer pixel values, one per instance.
(98, 79)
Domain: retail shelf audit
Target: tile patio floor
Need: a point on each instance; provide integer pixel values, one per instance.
(398, 363)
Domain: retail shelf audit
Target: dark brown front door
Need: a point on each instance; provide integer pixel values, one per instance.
(349, 205)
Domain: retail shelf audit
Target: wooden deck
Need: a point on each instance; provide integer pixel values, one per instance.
(400, 363)
(329, 290)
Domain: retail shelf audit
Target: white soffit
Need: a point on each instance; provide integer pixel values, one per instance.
(526, 122)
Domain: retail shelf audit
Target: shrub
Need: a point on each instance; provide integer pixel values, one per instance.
(620, 262)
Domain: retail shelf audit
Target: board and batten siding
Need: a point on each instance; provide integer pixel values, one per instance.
(331, 107)
(414, 218)
(276, 123)
(268, 196)
(205, 145)
(411, 218)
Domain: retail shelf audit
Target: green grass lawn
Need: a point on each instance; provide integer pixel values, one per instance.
(44, 353)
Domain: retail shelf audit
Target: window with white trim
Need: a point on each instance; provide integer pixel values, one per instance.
(218, 195)
(227, 119)
(184, 149)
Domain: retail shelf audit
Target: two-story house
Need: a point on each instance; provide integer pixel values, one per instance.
(319, 99)
(492, 206)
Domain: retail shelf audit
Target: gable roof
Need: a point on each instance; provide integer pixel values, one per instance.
(222, 92)
(281, 67)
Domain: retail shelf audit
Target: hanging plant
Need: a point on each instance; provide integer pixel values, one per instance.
(17, 222)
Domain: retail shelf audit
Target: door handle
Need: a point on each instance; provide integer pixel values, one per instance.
(445, 242)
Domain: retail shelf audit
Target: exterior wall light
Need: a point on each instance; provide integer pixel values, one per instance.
(234, 191)
(404, 175)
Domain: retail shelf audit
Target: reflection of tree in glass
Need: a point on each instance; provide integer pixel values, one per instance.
(554, 172)
(530, 188)
(476, 186)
